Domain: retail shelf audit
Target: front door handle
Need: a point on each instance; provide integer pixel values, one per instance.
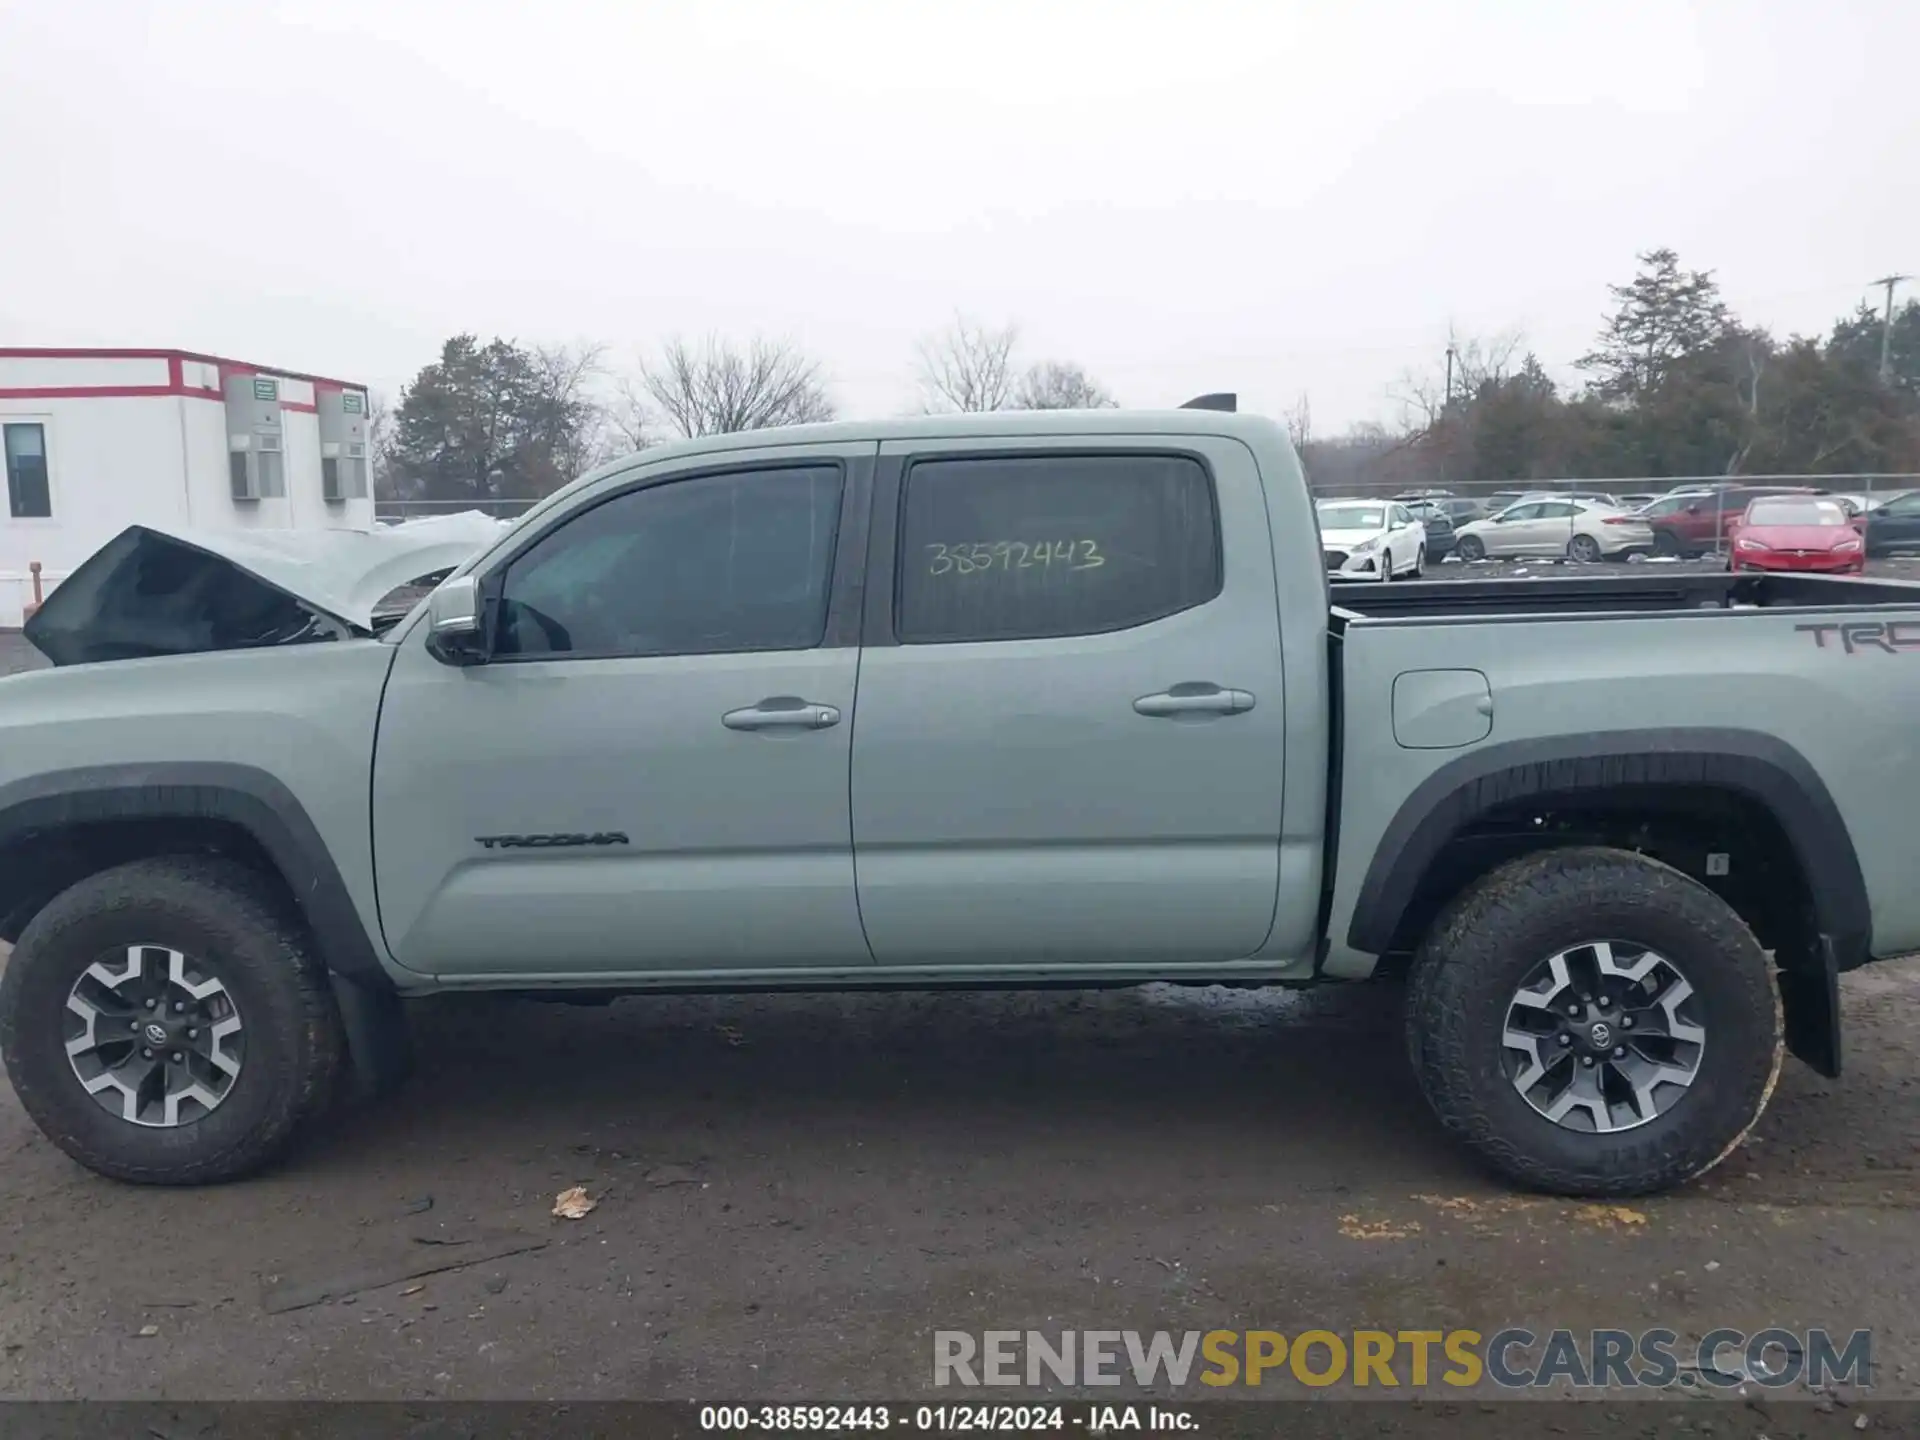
(1194, 699)
(782, 712)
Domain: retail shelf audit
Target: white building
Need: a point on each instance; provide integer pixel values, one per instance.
(96, 440)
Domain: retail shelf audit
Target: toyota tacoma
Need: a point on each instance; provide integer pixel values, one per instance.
(989, 700)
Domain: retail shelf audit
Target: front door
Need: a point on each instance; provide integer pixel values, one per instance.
(1071, 724)
(650, 774)
(1516, 531)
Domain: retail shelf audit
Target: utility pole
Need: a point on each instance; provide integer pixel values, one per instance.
(1449, 400)
(1886, 326)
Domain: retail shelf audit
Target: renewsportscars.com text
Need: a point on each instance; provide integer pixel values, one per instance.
(1512, 1358)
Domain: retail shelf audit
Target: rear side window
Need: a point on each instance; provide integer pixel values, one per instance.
(1033, 547)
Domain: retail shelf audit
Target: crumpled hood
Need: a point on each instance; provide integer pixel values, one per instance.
(156, 590)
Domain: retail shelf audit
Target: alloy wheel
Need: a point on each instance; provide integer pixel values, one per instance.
(1602, 1037)
(154, 1037)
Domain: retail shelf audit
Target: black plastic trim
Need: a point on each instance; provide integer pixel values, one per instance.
(1758, 766)
(238, 794)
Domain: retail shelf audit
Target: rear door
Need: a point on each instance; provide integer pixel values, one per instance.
(1071, 730)
(650, 774)
(1552, 527)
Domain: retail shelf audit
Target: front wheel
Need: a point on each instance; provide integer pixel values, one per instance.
(1419, 562)
(1593, 1022)
(1386, 566)
(1471, 549)
(164, 1022)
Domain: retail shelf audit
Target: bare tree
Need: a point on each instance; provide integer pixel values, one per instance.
(567, 408)
(967, 367)
(715, 389)
(1300, 424)
(630, 417)
(380, 446)
(1060, 385)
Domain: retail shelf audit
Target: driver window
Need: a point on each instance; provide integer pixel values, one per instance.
(716, 564)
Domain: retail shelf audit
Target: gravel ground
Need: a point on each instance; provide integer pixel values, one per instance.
(794, 1192)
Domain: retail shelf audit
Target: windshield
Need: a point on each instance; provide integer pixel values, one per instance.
(1796, 512)
(1353, 517)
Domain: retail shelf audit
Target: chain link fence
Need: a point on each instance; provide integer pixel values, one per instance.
(392, 512)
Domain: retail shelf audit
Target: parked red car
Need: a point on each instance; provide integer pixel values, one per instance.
(1794, 532)
(1698, 522)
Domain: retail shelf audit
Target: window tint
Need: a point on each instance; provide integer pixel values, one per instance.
(711, 565)
(29, 497)
(1028, 547)
(1558, 510)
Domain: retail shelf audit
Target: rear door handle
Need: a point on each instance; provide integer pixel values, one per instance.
(1194, 699)
(782, 712)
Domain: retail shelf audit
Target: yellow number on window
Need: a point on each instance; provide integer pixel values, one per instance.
(1090, 556)
(941, 561)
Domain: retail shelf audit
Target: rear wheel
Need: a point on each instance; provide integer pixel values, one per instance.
(1584, 548)
(164, 1022)
(1471, 548)
(1593, 1022)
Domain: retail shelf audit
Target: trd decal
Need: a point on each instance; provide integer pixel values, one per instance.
(1853, 636)
(550, 842)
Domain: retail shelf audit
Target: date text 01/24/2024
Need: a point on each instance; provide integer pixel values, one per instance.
(945, 1419)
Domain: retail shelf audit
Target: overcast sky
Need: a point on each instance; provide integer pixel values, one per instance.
(1279, 197)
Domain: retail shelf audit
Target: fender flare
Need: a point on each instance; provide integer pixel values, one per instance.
(1760, 767)
(241, 795)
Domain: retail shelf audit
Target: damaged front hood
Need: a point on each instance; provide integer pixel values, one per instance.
(155, 590)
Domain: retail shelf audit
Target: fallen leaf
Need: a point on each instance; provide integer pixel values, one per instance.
(1610, 1215)
(574, 1203)
(413, 1290)
(147, 1332)
(1354, 1228)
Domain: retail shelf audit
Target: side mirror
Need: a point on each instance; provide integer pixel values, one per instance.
(456, 622)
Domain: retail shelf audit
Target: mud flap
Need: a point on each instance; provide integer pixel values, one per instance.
(1810, 995)
(379, 1049)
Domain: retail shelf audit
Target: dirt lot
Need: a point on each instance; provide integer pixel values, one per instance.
(796, 1191)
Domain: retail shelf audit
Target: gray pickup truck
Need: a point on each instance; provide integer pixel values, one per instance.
(1001, 700)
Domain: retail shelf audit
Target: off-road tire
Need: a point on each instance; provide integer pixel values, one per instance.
(1482, 947)
(240, 927)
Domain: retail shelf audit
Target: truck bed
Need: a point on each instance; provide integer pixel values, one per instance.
(1626, 592)
(1467, 676)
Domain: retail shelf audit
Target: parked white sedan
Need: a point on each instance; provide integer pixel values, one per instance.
(1577, 529)
(1371, 539)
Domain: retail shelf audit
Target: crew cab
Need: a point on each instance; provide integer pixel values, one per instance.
(950, 701)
